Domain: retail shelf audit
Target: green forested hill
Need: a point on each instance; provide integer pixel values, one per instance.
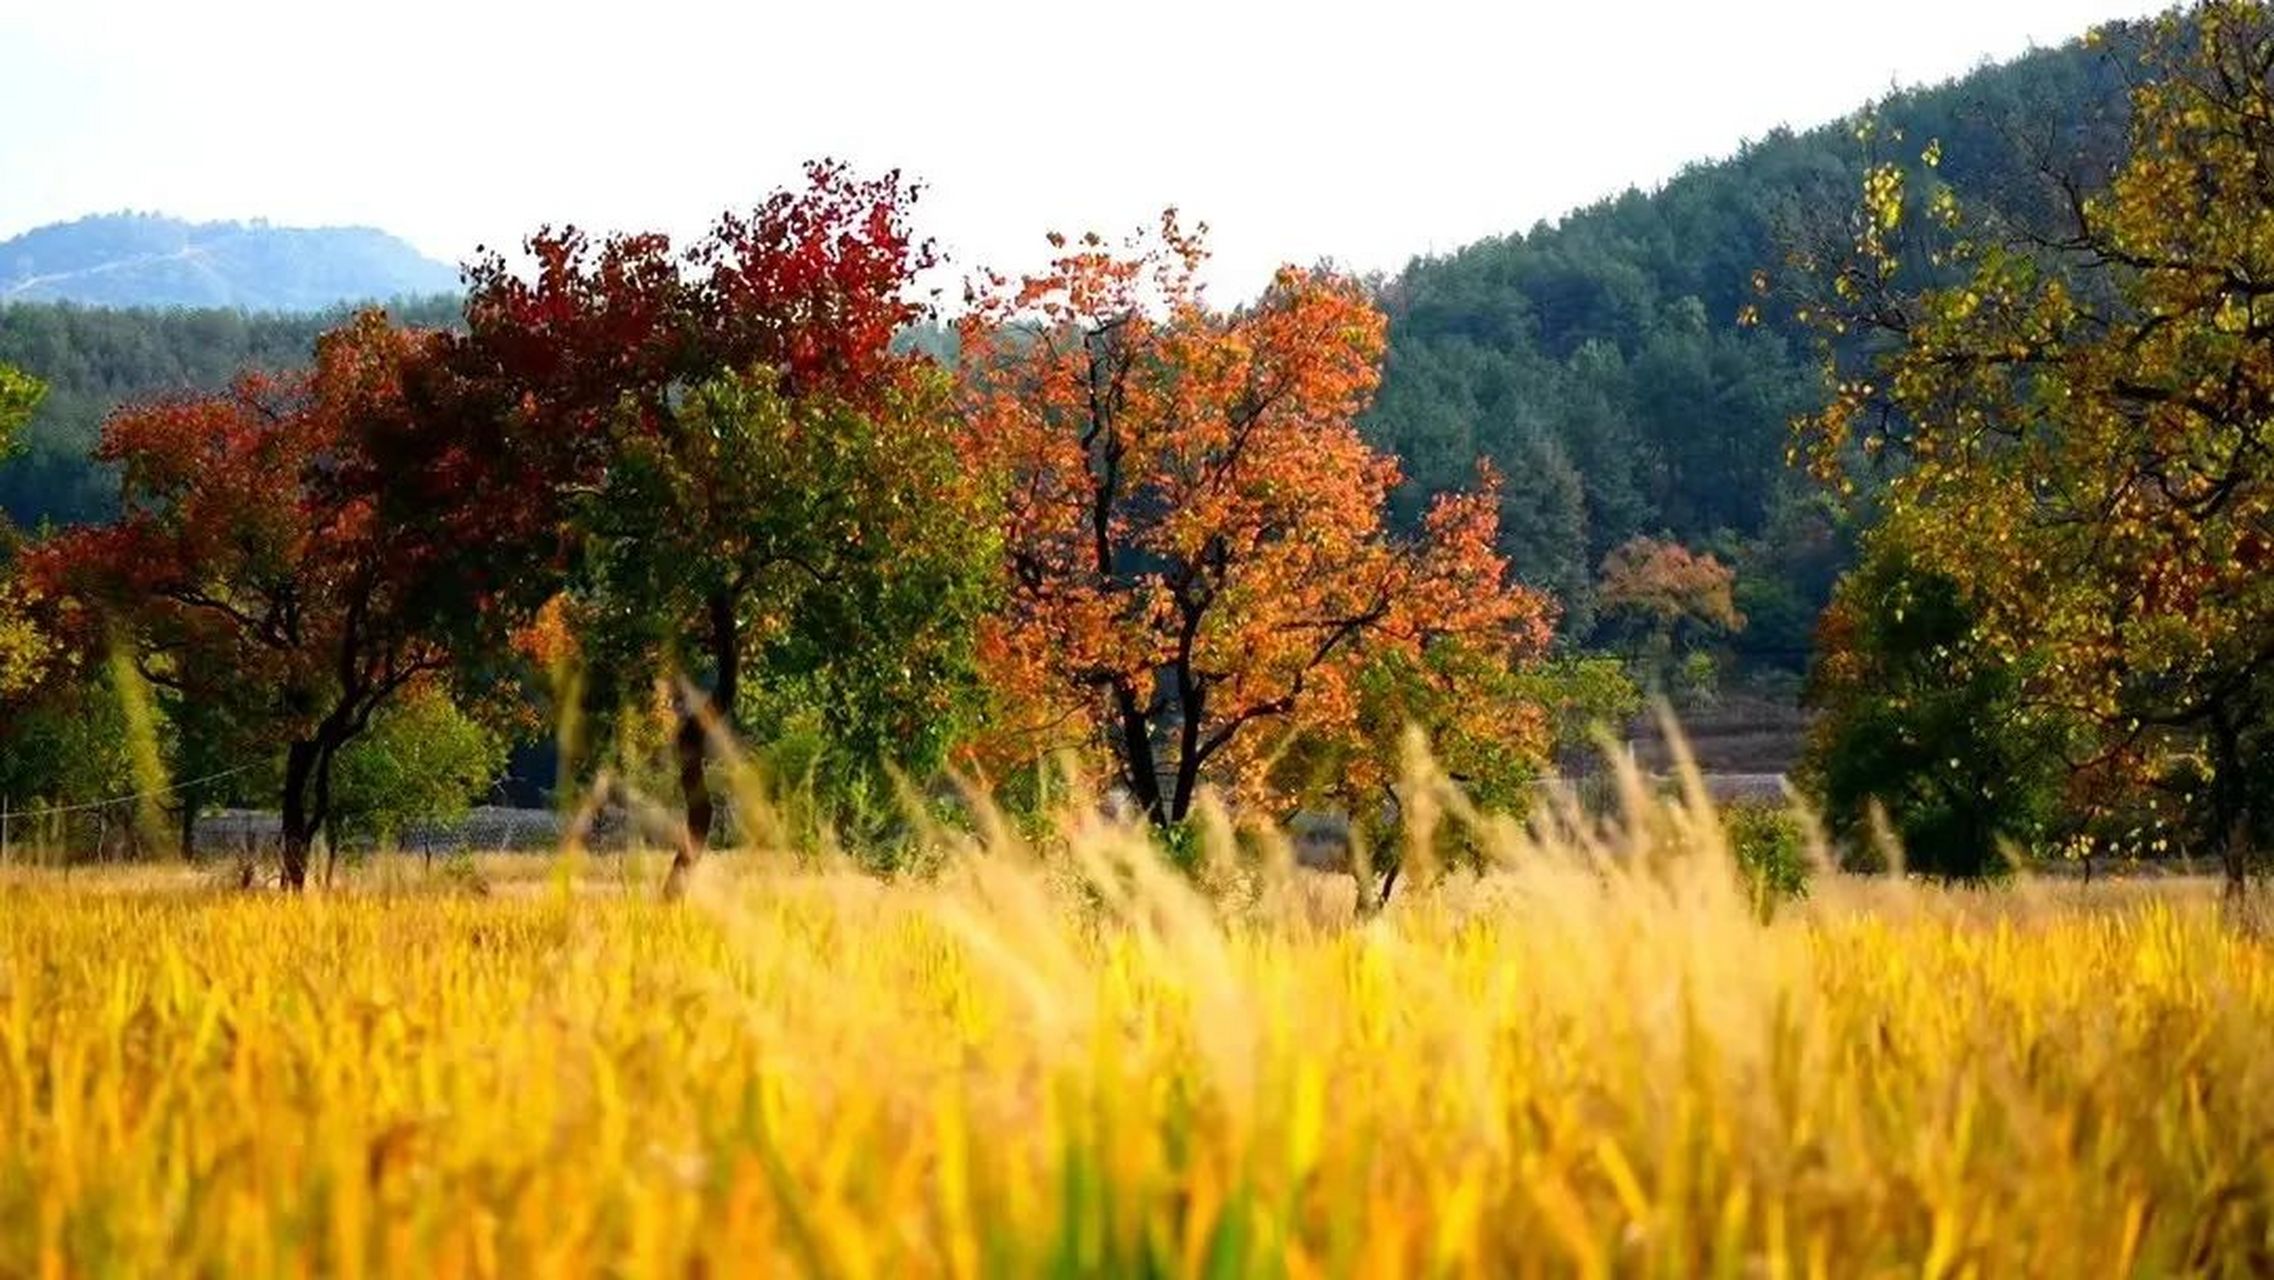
(94, 358)
(1599, 360)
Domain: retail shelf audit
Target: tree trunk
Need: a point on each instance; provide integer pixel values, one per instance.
(189, 809)
(1192, 703)
(321, 820)
(299, 824)
(693, 742)
(2231, 806)
(2234, 859)
(695, 790)
(1137, 765)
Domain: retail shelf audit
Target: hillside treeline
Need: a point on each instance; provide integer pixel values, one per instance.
(1600, 360)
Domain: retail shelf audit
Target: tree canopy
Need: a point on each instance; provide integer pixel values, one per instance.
(1197, 553)
(2079, 416)
(248, 567)
(725, 460)
(96, 360)
(23, 645)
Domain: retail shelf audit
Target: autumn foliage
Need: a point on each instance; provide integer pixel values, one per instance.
(249, 567)
(2080, 416)
(719, 453)
(1197, 559)
(1669, 587)
(707, 482)
(1660, 601)
(24, 646)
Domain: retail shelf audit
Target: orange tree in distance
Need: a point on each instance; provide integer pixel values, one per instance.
(1198, 568)
(1660, 600)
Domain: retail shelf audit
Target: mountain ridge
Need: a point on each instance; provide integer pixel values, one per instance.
(146, 260)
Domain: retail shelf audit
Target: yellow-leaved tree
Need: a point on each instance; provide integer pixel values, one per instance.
(24, 648)
(2079, 421)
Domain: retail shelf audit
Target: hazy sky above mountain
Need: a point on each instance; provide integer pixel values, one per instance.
(1367, 133)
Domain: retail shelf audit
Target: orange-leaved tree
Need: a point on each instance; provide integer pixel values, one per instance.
(1198, 564)
(1661, 601)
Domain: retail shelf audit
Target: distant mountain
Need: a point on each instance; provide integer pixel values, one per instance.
(146, 260)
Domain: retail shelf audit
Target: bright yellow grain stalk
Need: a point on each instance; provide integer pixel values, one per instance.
(1595, 1061)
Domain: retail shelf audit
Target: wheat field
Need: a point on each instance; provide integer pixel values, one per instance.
(1056, 1057)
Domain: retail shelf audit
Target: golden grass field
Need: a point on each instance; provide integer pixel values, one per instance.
(1064, 1061)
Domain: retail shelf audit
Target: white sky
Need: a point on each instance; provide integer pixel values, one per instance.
(1367, 133)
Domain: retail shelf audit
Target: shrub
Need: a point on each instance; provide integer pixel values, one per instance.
(1922, 720)
(1771, 851)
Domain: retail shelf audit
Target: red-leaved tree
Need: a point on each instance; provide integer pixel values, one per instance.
(590, 443)
(248, 561)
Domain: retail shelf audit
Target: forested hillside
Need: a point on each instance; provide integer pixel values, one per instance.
(1601, 364)
(94, 359)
